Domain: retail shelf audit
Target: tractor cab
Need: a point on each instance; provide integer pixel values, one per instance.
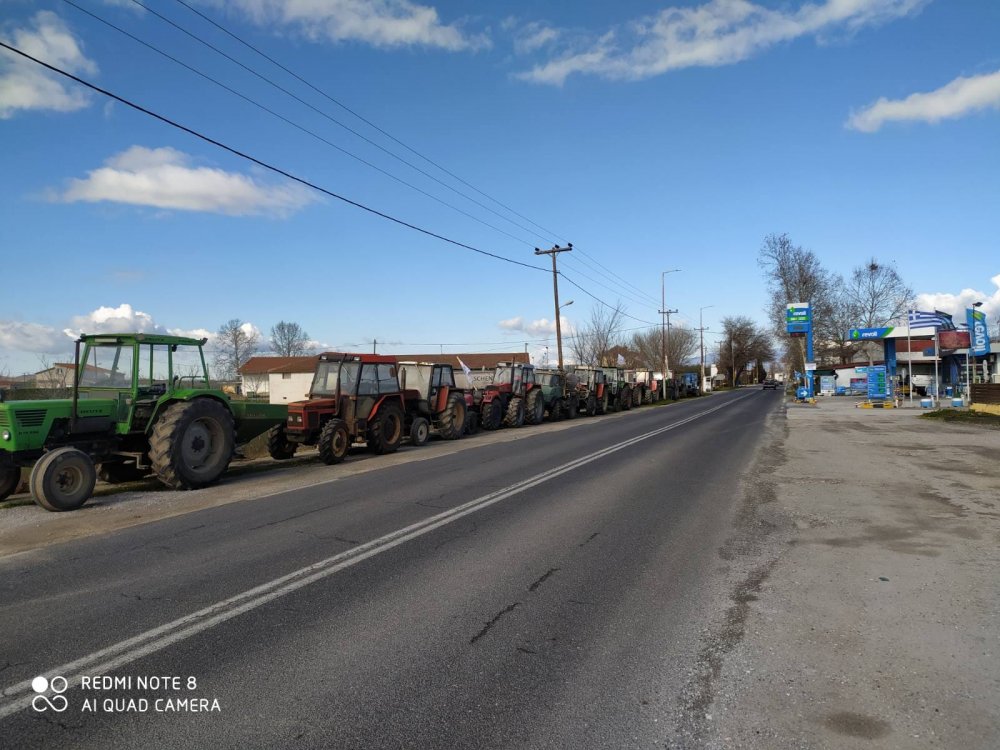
(353, 397)
(513, 378)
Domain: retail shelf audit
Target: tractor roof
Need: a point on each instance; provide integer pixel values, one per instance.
(142, 338)
(373, 359)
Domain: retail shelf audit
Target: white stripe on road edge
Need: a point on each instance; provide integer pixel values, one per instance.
(113, 657)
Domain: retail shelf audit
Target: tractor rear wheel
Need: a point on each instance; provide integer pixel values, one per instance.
(192, 443)
(63, 479)
(535, 407)
(279, 446)
(490, 415)
(116, 472)
(334, 440)
(627, 399)
(420, 432)
(10, 477)
(385, 430)
(515, 413)
(451, 423)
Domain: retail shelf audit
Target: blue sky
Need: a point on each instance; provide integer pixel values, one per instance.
(652, 135)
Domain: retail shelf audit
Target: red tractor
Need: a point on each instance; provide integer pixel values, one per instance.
(353, 398)
(512, 399)
(433, 400)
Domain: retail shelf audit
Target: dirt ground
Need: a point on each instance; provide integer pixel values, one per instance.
(862, 590)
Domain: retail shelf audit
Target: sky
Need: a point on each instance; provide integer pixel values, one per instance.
(651, 135)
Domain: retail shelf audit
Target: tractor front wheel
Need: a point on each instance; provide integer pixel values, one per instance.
(385, 429)
(192, 443)
(556, 410)
(63, 479)
(279, 446)
(420, 432)
(591, 408)
(334, 440)
(10, 477)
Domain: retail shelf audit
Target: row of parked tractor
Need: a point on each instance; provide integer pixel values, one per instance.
(144, 405)
(378, 400)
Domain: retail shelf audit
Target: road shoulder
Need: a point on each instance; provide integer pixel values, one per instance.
(861, 594)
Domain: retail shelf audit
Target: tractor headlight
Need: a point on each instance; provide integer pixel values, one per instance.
(5, 434)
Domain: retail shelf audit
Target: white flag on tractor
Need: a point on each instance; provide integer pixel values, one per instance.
(465, 367)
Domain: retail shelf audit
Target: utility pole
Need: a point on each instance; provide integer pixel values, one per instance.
(374, 346)
(665, 329)
(555, 290)
(701, 346)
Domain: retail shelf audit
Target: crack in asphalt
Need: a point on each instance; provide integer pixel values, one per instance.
(491, 623)
(541, 580)
(589, 539)
(289, 518)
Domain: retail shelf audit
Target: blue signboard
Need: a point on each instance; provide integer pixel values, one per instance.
(878, 383)
(864, 334)
(979, 337)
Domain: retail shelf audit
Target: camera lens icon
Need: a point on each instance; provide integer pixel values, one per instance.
(57, 702)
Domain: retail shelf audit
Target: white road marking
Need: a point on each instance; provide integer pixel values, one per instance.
(115, 656)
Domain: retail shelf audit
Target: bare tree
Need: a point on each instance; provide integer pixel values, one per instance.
(794, 274)
(236, 343)
(590, 345)
(289, 339)
(746, 342)
(878, 295)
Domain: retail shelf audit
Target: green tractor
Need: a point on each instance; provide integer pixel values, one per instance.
(140, 404)
(558, 393)
(619, 389)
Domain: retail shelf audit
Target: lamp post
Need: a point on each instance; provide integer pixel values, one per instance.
(665, 329)
(701, 346)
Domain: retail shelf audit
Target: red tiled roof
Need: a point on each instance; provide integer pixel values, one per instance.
(264, 365)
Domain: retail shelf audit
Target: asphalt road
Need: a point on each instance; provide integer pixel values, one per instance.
(442, 603)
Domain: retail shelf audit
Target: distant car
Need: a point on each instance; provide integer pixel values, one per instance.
(771, 383)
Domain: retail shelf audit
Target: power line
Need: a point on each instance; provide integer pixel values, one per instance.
(263, 164)
(630, 297)
(600, 301)
(294, 124)
(361, 117)
(320, 112)
(621, 281)
(619, 277)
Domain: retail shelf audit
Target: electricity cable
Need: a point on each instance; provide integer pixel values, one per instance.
(360, 117)
(320, 112)
(263, 164)
(295, 125)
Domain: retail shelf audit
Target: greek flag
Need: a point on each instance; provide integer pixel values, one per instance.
(936, 319)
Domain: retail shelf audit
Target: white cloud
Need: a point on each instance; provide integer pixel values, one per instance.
(25, 85)
(380, 23)
(957, 304)
(719, 32)
(162, 178)
(16, 335)
(961, 97)
(535, 328)
(533, 36)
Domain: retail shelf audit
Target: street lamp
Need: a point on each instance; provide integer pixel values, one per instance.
(665, 329)
(701, 339)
